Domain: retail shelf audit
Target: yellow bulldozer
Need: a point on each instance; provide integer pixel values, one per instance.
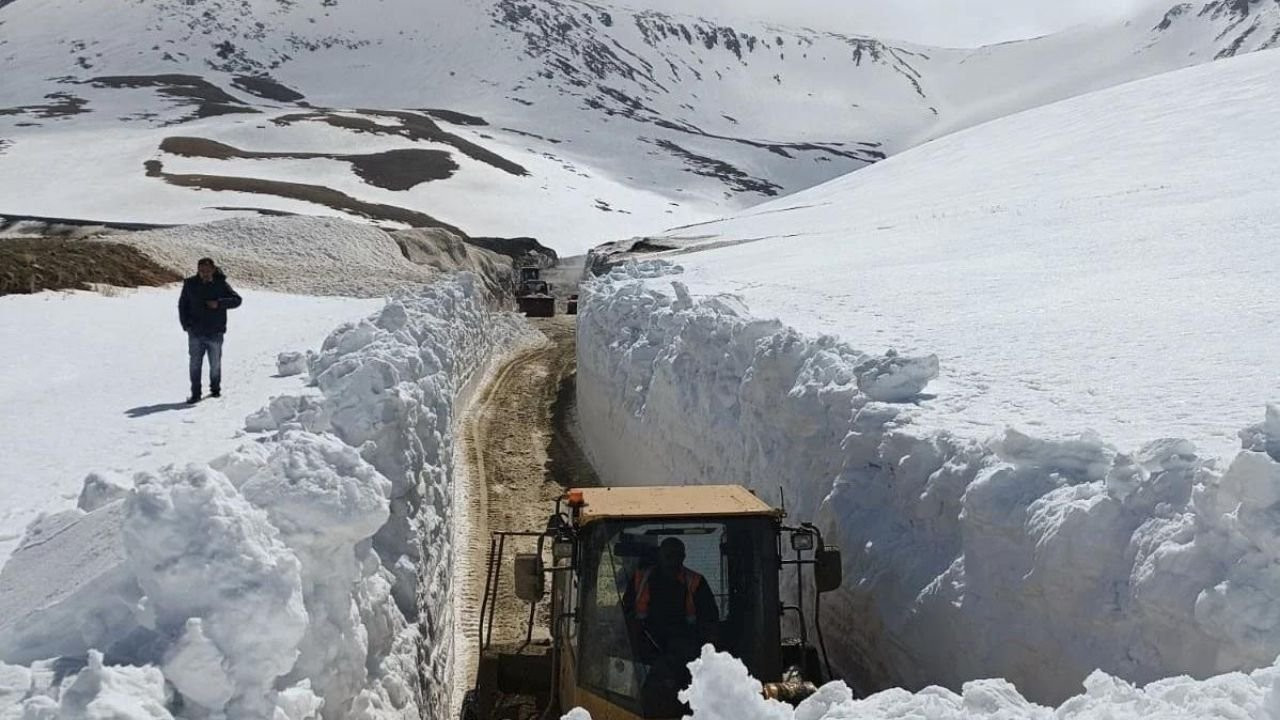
(533, 294)
(640, 579)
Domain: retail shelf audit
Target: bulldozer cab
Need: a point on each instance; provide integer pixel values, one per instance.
(625, 659)
(641, 579)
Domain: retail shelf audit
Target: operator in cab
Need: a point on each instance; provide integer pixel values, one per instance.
(671, 612)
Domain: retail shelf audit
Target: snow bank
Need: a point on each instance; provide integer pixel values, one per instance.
(1019, 557)
(281, 579)
(319, 255)
(1088, 265)
(722, 690)
(299, 254)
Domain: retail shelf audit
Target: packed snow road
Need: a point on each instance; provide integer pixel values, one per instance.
(516, 454)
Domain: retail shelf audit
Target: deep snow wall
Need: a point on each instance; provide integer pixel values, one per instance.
(304, 575)
(1036, 560)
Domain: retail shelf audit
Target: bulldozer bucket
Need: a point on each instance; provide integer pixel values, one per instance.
(535, 306)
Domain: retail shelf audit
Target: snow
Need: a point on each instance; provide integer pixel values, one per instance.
(271, 580)
(1034, 557)
(1096, 265)
(608, 108)
(91, 384)
(308, 255)
(202, 551)
(290, 363)
(723, 690)
(101, 692)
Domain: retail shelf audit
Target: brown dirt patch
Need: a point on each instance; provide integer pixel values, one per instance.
(317, 194)
(61, 105)
(390, 170)
(207, 99)
(455, 117)
(266, 87)
(30, 265)
(412, 126)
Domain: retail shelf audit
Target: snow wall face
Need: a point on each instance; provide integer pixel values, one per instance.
(1035, 560)
(304, 575)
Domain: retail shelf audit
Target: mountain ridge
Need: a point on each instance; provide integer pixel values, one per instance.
(626, 120)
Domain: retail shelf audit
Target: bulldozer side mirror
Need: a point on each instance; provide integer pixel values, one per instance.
(562, 550)
(530, 583)
(828, 571)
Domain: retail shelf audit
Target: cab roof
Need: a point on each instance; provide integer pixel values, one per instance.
(667, 501)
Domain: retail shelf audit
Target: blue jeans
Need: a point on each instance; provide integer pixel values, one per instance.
(197, 346)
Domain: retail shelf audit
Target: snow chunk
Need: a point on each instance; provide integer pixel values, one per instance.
(101, 488)
(325, 498)
(641, 269)
(1085, 457)
(15, 683)
(722, 689)
(100, 692)
(1265, 436)
(291, 363)
(242, 463)
(67, 588)
(893, 378)
(298, 703)
(196, 667)
(288, 410)
(319, 493)
(200, 550)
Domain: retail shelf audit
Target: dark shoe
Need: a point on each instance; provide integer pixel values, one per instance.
(195, 398)
(215, 392)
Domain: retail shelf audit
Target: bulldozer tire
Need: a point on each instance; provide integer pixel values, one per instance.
(470, 706)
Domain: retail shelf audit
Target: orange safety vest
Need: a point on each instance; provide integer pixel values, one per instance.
(691, 581)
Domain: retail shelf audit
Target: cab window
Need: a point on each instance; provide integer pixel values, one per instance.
(654, 593)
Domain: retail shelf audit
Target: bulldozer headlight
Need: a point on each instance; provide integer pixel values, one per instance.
(562, 550)
(801, 541)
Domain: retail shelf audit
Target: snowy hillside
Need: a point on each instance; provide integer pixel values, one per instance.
(590, 121)
(1060, 278)
(1025, 373)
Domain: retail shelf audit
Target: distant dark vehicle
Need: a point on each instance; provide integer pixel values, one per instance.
(533, 295)
(572, 306)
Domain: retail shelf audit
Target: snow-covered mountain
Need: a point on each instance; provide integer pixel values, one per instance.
(585, 121)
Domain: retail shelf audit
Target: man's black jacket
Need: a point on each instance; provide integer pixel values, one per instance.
(193, 305)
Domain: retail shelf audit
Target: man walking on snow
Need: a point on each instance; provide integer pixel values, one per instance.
(202, 310)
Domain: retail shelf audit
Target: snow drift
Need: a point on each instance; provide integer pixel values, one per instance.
(722, 690)
(305, 574)
(1035, 560)
(319, 255)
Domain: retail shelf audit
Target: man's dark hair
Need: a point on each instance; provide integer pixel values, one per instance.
(206, 261)
(673, 544)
